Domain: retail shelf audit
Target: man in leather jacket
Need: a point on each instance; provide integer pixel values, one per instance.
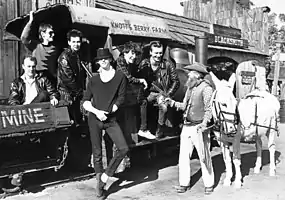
(32, 87)
(70, 75)
(162, 81)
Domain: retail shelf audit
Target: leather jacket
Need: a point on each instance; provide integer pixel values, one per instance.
(165, 77)
(70, 76)
(18, 89)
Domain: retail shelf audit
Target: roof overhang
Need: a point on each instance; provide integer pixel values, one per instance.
(236, 50)
(62, 16)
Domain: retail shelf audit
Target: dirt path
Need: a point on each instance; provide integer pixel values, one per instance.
(155, 180)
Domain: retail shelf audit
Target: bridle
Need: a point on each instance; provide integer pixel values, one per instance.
(221, 121)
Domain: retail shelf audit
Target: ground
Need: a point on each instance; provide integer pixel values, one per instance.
(154, 180)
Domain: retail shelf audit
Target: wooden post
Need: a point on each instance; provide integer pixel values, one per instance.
(276, 70)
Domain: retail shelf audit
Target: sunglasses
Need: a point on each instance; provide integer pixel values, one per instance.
(50, 32)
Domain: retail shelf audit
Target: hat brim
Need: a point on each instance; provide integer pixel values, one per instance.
(197, 68)
(103, 57)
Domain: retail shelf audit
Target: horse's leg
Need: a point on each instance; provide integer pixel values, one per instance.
(271, 147)
(237, 157)
(228, 164)
(258, 162)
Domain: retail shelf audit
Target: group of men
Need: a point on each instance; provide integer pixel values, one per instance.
(51, 75)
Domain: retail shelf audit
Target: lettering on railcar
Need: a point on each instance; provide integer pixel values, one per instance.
(18, 117)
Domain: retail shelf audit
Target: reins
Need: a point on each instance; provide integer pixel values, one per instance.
(220, 123)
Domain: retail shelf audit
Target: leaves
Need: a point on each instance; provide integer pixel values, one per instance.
(275, 31)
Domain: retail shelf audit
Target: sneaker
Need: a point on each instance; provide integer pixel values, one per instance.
(146, 134)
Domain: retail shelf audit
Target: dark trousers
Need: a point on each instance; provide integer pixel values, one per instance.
(41, 97)
(143, 115)
(114, 131)
(152, 98)
(74, 106)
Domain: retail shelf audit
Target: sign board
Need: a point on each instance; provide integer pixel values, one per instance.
(248, 78)
(121, 23)
(37, 117)
(45, 3)
(218, 29)
(227, 41)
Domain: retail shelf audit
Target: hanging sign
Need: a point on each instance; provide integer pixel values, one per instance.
(227, 41)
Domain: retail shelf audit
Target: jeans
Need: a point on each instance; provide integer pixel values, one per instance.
(152, 98)
(114, 131)
(143, 115)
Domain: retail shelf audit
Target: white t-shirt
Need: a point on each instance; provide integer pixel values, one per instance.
(31, 89)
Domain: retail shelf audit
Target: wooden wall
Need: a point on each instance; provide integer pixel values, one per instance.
(252, 22)
(10, 51)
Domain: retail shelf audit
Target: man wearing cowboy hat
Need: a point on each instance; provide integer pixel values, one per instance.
(195, 133)
(107, 91)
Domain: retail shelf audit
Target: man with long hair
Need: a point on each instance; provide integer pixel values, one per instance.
(127, 64)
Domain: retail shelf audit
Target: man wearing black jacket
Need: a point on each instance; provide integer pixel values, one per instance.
(162, 81)
(70, 75)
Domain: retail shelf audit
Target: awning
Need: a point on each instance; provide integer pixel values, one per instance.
(61, 16)
(121, 23)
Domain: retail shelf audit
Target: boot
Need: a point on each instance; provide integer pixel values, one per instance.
(159, 132)
(100, 186)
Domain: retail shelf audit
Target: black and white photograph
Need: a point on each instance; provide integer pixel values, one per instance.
(142, 99)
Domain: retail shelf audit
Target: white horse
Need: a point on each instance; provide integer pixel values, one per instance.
(257, 116)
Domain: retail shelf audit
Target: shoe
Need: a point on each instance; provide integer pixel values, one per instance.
(146, 134)
(100, 186)
(181, 189)
(159, 132)
(209, 190)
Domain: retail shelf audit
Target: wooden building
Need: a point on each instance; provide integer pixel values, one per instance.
(231, 44)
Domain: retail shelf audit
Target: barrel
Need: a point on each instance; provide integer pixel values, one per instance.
(282, 111)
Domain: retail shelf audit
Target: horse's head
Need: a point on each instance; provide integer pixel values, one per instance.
(224, 103)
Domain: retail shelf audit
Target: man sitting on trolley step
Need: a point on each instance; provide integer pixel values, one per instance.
(127, 64)
(162, 81)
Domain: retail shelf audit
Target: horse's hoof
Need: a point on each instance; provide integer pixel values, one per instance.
(227, 183)
(256, 170)
(237, 185)
(272, 172)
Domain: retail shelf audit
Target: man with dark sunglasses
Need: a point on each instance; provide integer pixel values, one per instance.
(43, 49)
